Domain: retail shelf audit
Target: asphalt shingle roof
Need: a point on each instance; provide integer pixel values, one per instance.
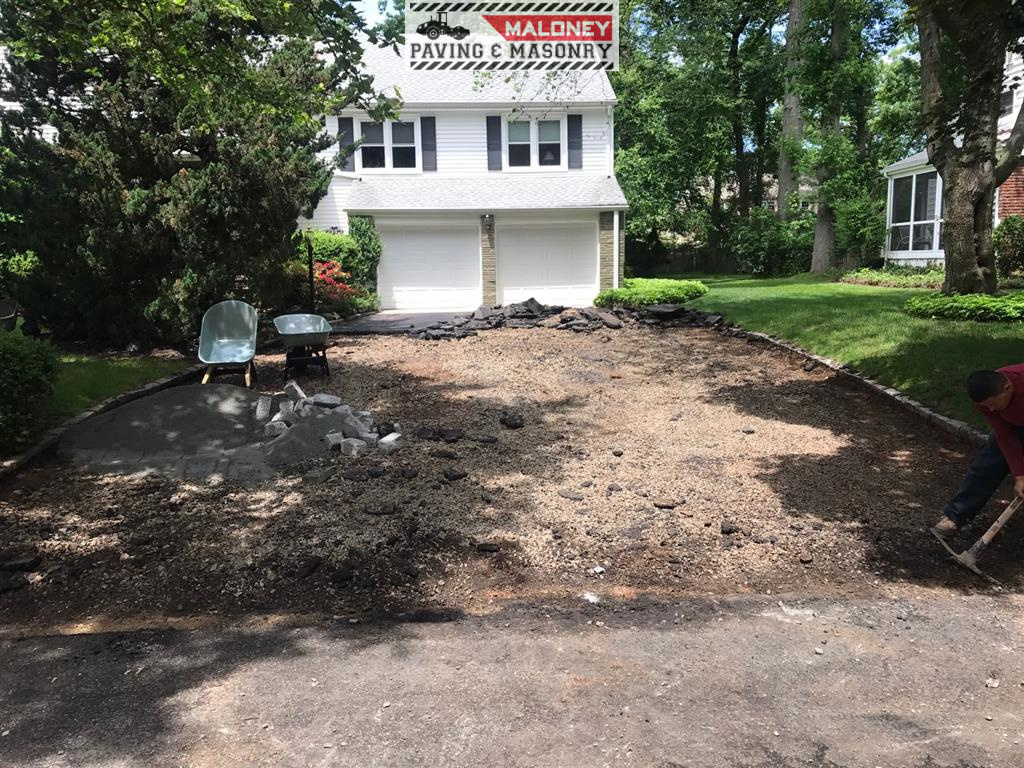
(416, 86)
(508, 192)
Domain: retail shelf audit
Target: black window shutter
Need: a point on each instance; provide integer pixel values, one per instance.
(429, 141)
(493, 143)
(575, 131)
(346, 135)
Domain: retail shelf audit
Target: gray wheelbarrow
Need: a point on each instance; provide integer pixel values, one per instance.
(227, 340)
(305, 338)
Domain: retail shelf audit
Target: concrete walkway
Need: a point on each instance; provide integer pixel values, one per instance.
(195, 432)
(753, 682)
(390, 323)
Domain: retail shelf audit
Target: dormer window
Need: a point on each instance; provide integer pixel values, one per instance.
(535, 143)
(390, 146)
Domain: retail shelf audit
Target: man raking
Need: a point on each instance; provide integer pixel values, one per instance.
(999, 397)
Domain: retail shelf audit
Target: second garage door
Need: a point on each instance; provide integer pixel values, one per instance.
(429, 266)
(553, 263)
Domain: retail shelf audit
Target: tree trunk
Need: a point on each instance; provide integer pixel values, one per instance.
(739, 145)
(715, 223)
(792, 117)
(967, 233)
(823, 255)
(965, 151)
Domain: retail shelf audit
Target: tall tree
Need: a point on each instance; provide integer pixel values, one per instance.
(792, 116)
(843, 39)
(964, 44)
(188, 140)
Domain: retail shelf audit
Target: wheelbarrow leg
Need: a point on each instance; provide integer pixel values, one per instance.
(208, 375)
(248, 374)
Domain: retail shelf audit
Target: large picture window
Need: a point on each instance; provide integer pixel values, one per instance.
(915, 211)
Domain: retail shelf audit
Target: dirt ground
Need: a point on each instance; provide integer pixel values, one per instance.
(672, 462)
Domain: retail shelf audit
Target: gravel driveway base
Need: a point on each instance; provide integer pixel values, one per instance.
(670, 461)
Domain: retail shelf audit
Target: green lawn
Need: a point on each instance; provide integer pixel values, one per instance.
(867, 328)
(83, 380)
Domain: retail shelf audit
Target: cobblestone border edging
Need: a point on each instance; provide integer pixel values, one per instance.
(953, 426)
(9, 467)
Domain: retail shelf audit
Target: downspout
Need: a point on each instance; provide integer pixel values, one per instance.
(611, 140)
(615, 249)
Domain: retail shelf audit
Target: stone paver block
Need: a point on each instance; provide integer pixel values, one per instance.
(263, 407)
(294, 392)
(326, 401)
(391, 443)
(351, 446)
(275, 428)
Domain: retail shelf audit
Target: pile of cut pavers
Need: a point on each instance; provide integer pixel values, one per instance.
(303, 422)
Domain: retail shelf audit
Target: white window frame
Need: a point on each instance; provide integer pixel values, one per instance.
(388, 168)
(935, 221)
(535, 166)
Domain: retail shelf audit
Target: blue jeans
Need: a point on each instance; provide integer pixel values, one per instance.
(988, 470)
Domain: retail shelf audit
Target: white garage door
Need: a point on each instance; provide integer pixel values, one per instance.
(429, 266)
(553, 263)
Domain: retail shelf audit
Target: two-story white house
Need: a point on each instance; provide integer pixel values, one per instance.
(485, 190)
(914, 205)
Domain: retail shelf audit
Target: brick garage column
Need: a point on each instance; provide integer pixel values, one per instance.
(488, 258)
(1011, 194)
(606, 247)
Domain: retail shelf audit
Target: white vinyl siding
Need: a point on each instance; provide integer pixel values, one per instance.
(330, 212)
(462, 139)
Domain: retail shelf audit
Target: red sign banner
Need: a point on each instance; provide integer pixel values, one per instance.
(534, 27)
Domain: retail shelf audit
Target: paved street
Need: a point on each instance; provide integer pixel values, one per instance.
(759, 681)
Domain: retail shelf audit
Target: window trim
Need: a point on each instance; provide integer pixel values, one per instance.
(535, 166)
(389, 146)
(936, 219)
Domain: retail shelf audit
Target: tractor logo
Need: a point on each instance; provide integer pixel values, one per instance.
(439, 26)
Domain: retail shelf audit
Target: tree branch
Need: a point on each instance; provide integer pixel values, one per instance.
(1009, 157)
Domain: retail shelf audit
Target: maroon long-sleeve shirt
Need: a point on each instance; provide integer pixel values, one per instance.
(1004, 423)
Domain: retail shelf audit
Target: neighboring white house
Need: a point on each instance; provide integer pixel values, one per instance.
(485, 190)
(914, 206)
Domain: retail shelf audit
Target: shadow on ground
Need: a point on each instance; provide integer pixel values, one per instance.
(906, 467)
(334, 535)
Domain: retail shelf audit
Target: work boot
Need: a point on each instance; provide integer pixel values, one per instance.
(945, 529)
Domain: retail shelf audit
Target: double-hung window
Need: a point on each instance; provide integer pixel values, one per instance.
(916, 213)
(535, 143)
(388, 146)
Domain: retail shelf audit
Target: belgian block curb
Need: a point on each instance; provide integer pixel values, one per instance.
(10, 467)
(953, 426)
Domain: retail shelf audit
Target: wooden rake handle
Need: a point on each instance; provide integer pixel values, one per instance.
(979, 546)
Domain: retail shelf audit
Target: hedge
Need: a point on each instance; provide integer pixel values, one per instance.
(641, 292)
(896, 278)
(979, 307)
(28, 371)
